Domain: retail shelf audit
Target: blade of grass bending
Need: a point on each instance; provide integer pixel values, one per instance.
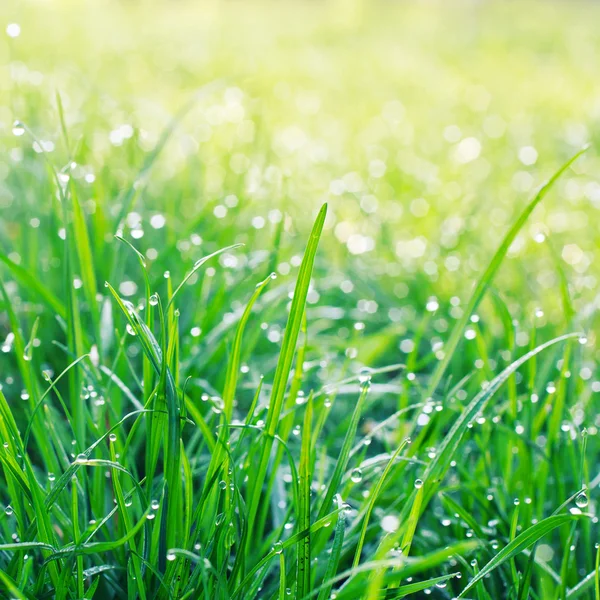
(303, 564)
(521, 542)
(489, 274)
(439, 465)
(284, 363)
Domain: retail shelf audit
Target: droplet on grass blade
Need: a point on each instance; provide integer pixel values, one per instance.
(356, 476)
(278, 547)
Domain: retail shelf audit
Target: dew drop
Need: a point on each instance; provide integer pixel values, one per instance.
(8, 510)
(81, 458)
(154, 505)
(418, 483)
(18, 130)
(112, 437)
(364, 376)
(582, 500)
(356, 476)
(171, 556)
(222, 484)
(278, 547)
(153, 300)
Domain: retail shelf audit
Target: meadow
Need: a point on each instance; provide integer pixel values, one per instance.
(299, 300)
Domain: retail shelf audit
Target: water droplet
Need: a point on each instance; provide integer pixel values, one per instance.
(278, 547)
(8, 510)
(581, 500)
(583, 340)
(154, 505)
(364, 376)
(153, 300)
(81, 458)
(51, 476)
(150, 516)
(112, 437)
(18, 130)
(128, 502)
(356, 476)
(130, 329)
(171, 556)
(418, 483)
(222, 484)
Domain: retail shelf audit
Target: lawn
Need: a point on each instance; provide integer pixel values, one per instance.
(299, 299)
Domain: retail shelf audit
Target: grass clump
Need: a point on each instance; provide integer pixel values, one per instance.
(264, 410)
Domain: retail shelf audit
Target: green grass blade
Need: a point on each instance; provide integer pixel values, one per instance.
(526, 539)
(284, 363)
(488, 276)
(304, 550)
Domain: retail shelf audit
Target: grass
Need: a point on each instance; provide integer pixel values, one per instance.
(303, 320)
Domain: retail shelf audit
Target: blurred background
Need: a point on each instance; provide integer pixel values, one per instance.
(426, 126)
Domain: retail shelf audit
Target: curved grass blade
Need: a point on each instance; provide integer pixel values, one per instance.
(520, 543)
(489, 274)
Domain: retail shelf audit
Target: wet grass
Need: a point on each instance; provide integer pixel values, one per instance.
(290, 325)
